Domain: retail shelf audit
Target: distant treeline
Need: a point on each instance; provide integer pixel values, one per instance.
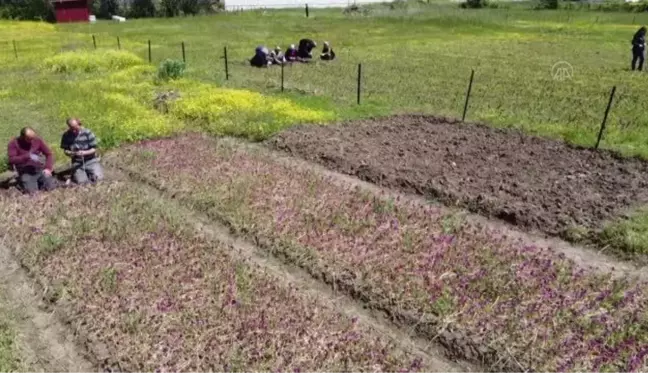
(43, 10)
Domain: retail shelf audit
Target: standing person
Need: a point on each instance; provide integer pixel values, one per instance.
(327, 52)
(305, 48)
(25, 153)
(638, 47)
(80, 144)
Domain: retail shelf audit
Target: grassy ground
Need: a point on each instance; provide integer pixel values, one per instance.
(418, 57)
(415, 56)
(8, 354)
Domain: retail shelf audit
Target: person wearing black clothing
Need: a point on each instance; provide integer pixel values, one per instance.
(327, 52)
(261, 57)
(305, 48)
(638, 47)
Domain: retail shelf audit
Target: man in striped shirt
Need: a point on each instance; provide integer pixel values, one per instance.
(80, 144)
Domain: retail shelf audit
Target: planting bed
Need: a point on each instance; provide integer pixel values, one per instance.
(484, 296)
(146, 293)
(531, 182)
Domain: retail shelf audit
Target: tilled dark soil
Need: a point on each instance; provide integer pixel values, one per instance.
(535, 183)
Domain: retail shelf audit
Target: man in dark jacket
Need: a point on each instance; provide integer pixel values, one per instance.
(25, 154)
(638, 47)
(305, 48)
(261, 57)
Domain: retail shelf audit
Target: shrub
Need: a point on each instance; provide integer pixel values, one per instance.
(546, 4)
(474, 4)
(171, 69)
(141, 9)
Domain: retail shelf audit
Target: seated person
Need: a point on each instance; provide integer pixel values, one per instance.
(279, 55)
(276, 57)
(261, 57)
(327, 52)
(25, 154)
(305, 48)
(291, 54)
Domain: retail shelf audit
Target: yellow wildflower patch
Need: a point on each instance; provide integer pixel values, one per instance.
(91, 61)
(239, 112)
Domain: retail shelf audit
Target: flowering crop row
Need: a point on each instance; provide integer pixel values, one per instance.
(132, 276)
(517, 305)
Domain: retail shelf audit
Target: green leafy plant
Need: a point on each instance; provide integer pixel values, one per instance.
(171, 69)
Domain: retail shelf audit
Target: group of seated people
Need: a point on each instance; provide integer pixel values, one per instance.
(264, 57)
(33, 161)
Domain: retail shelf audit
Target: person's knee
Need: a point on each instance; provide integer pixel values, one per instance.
(80, 177)
(49, 184)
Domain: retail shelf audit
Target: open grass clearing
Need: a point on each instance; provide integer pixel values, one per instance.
(418, 57)
(155, 294)
(465, 285)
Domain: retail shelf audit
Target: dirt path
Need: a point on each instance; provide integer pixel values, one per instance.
(44, 343)
(375, 320)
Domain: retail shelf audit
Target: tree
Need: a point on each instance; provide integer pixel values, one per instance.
(170, 8)
(108, 8)
(27, 9)
(189, 7)
(210, 6)
(142, 9)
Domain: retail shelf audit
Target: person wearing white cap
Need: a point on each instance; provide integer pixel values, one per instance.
(327, 52)
(278, 57)
(291, 53)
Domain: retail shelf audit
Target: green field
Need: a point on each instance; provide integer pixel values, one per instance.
(415, 57)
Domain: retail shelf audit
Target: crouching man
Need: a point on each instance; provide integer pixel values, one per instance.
(80, 144)
(25, 154)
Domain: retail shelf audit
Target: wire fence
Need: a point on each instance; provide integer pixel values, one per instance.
(482, 93)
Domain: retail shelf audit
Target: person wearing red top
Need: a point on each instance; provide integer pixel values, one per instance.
(25, 154)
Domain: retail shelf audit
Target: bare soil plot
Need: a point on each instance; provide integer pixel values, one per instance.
(145, 291)
(481, 294)
(531, 182)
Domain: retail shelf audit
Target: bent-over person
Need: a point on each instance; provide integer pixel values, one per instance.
(80, 144)
(25, 156)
